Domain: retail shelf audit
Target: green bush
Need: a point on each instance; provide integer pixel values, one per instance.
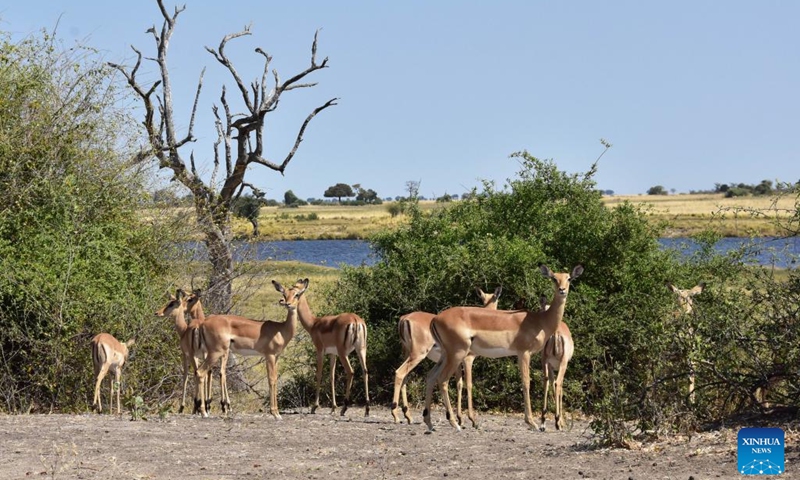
(75, 257)
(631, 350)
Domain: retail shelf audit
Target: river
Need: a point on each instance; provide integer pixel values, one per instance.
(780, 252)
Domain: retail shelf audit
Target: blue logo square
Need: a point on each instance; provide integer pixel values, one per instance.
(761, 451)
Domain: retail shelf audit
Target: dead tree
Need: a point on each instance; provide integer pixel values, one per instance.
(240, 141)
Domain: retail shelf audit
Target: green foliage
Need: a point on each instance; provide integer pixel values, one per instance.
(631, 349)
(75, 257)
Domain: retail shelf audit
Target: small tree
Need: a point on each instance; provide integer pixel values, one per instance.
(338, 191)
(289, 198)
(657, 190)
(249, 207)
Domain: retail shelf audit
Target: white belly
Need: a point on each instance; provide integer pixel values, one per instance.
(331, 351)
(495, 352)
(246, 352)
(436, 353)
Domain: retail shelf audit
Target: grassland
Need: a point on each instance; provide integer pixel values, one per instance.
(683, 215)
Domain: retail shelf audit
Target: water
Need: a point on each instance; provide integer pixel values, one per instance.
(780, 252)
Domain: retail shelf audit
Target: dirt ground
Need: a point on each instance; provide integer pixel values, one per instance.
(304, 446)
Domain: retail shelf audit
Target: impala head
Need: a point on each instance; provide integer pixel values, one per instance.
(174, 303)
(489, 299)
(193, 298)
(291, 296)
(126, 346)
(562, 280)
(685, 296)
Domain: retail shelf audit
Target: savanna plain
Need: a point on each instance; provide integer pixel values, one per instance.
(249, 443)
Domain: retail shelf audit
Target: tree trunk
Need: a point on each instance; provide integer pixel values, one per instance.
(255, 226)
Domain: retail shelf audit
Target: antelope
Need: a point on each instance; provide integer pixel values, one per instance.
(198, 316)
(176, 308)
(108, 353)
(556, 354)
(685, 300)
(218, 335)
(337, 336)
(418, 344)
(469, 331)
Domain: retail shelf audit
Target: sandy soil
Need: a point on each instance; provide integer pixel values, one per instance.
(304, 446)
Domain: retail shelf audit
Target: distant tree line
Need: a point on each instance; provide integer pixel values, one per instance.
(766, 187)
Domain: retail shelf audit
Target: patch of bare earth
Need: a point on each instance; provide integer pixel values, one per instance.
(304, 446)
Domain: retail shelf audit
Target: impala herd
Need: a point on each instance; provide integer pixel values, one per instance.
(452, 338)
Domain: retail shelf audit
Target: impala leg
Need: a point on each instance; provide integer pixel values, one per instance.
(225, 401)
(691, 382)
(459, 390)
(348, 370)
(546, 373)
(186, 361)
(272, 373)
(333, 385)
(97, 403)
(468, 375)
(400, 376)
(118, 382)
(320, 360)
(449, 369)
(202, 379)
(362, 359)
(525, 372)
(559, 392)
(430, 383)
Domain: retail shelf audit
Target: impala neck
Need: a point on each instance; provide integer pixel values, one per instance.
(554, 314)
(180, 320)
(197, 313)
(291, 323)
(305, 315)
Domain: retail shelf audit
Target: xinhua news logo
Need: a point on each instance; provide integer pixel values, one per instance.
(760, 451)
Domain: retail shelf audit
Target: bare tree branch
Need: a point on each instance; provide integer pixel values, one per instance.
(224, 60)
(256, 158)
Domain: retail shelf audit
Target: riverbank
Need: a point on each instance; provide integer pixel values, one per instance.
(683, 215)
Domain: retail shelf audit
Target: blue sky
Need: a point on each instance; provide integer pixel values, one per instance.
(690, 93)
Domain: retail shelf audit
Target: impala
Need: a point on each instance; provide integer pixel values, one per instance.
(175, 308)
(198, 316)
(337, 336)
(471, 331)
(108, 353)
(685, 300)
(415, 335)
(220, 334)
(556, 354)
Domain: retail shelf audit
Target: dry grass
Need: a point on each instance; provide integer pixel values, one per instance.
(733, 217)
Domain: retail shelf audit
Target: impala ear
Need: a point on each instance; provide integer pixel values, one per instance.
(697, 289)
(479, 292)
(278, 287)
(545, 270)
(130, 342)
(305, 283)
(672, 287)
(179, 294)
(497, 292)
(576, 272)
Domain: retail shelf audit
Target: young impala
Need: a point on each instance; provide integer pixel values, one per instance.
(337, 336)
(195, 308)
(218, 335)
(685, 300)
(108, 353)
(556, 354)
(465, 331)
(415, 334)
